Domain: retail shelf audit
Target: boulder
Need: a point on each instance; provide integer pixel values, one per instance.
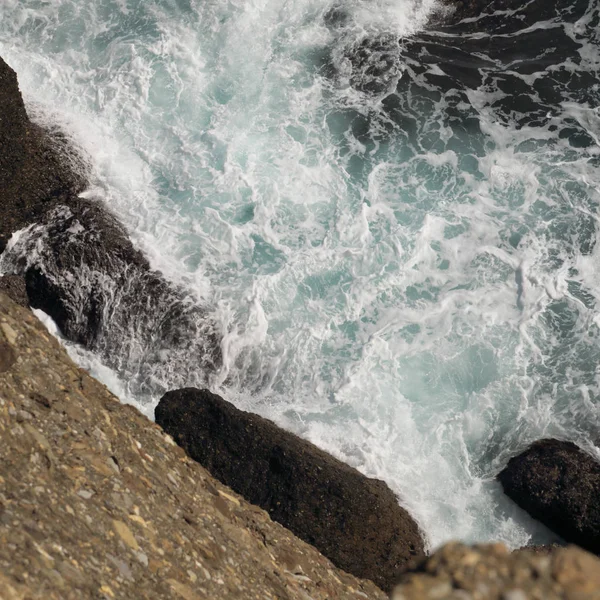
(353, 520)
(559, 484)
(491, 572)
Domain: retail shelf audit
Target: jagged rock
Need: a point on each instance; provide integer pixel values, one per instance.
(82, 270)
(559, 484)
(353, 520)
(491, 572)
(37, 170)
(14, 287)
(97, 502)
(79, 264)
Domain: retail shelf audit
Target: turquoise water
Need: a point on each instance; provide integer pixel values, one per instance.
(408, 279)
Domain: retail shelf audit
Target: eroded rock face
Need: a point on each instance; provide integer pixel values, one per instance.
(558, 484)
(97, 502)
(353, 520)
(491, 572)
(36, 170)
(80, 267)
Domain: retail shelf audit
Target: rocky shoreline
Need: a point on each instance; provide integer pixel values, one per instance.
(76, 261)
(96, 501)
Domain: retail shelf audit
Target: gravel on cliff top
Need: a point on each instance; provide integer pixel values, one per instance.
(491, 572)
(96, 501)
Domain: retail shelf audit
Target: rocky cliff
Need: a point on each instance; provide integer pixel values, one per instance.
(96, 501)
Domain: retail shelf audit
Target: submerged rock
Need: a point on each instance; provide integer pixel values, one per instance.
(353, 520)
(559, 484)
(491, 572)
(97, 502)
(79, 265)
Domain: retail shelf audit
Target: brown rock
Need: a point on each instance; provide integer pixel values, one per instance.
(14, 287)
(491, 572)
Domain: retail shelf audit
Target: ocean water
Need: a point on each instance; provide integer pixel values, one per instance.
(395, 229)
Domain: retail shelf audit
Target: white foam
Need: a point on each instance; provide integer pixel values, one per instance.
(373, 294)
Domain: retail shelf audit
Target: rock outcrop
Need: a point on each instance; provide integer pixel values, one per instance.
(353, 520)
(98, 502)
(79, 264)
(491, 572)
(559, 484)
(37, 170)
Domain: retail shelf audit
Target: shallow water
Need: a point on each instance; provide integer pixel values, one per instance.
(398, 238)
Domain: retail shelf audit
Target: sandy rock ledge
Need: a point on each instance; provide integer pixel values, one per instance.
(491, 572)
(97, 502)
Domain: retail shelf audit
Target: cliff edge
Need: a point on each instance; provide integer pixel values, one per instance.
(96, 501)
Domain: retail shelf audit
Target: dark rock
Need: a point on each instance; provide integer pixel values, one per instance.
(353, 520)
(558, 484)
(79, 265)
(14, 287)
(82, 270)
(37, 170)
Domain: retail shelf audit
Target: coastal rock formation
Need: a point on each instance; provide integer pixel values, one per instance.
(491, 572)
(353, 520)
(558, 484)
(78, 262)
(37, 170)
(96, 501)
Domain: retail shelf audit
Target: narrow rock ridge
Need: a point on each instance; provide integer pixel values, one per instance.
(96, 501)
(353, 520)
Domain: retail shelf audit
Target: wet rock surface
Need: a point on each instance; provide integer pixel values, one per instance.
(98, 502)
(353, 520)
(491, 572)
(36, 170)
(78, 263)
(559, 484)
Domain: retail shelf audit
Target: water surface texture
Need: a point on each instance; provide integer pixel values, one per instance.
(396, 229)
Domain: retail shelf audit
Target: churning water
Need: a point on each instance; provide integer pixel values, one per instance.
(396, 229)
